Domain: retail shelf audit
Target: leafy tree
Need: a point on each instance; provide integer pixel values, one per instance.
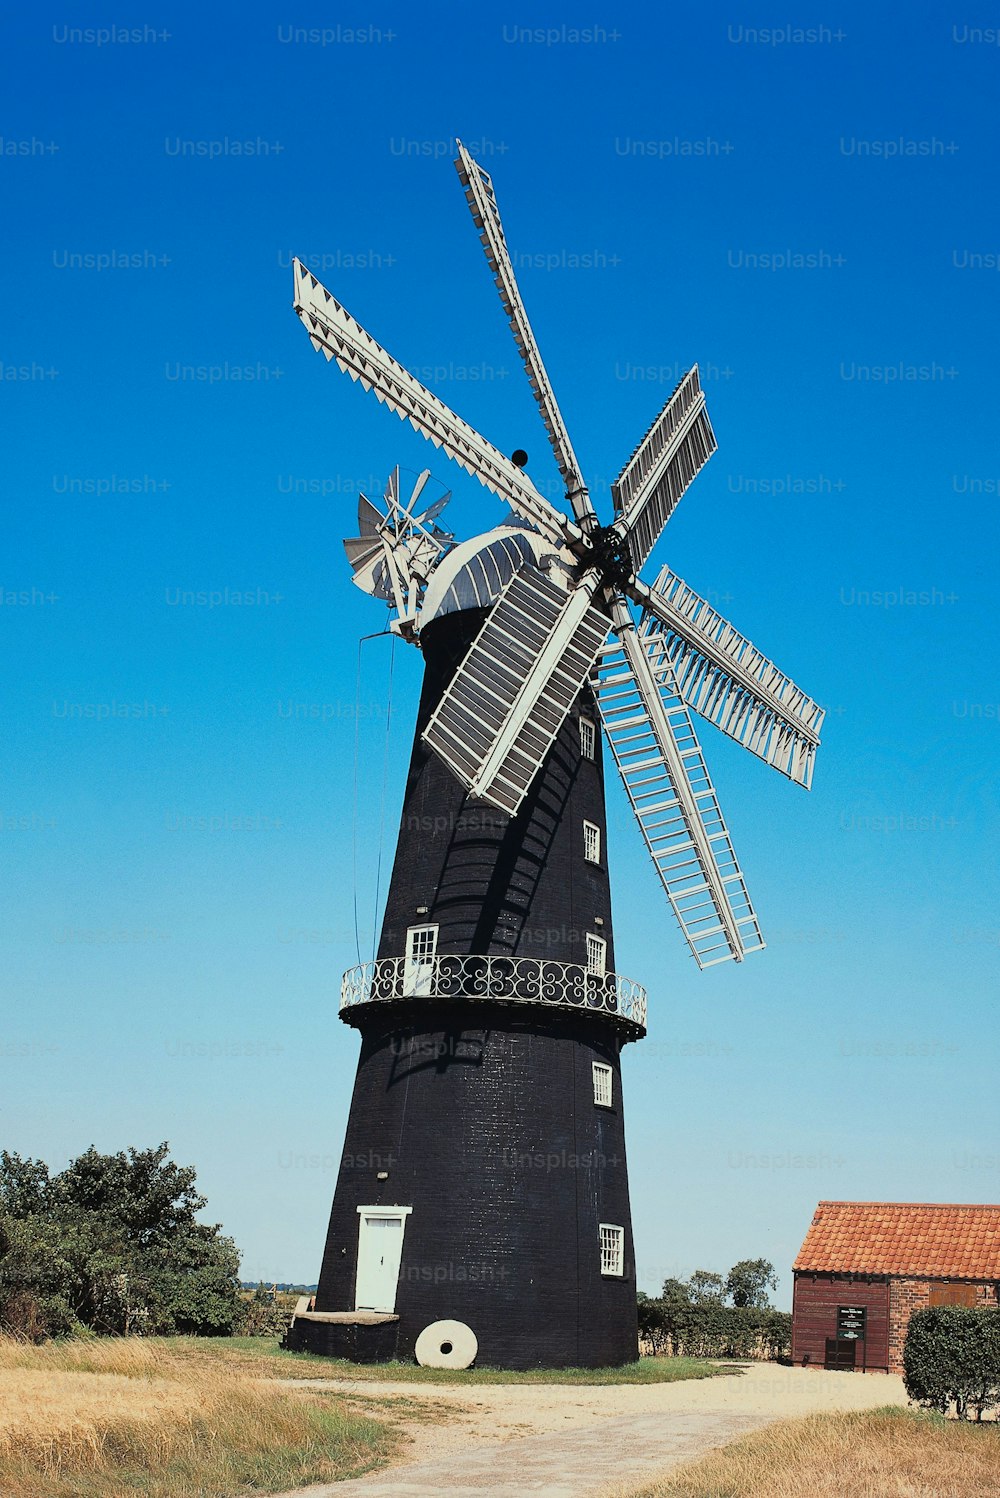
(706, 1288)
(748, 1283)
(25, 1188)
(111, 1243)
(652, 1331)
(676, 1293)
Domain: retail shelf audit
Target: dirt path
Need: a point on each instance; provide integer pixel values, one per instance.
(575, 1441)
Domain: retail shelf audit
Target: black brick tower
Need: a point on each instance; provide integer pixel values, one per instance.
(488, 1100)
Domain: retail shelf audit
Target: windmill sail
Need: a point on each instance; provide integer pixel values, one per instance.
(657, 752)
(498, 718)
(728, 680)
(509, 698)
(653, 481)
(370, 566)
(393, 552)
(334, 332)
(370, 517)
(486, 216)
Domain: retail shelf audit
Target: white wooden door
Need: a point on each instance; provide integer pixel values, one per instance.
(380, 1248)
(418, 967)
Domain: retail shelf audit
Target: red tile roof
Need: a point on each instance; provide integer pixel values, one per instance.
(932, 1239)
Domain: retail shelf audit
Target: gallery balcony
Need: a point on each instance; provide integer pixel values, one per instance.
(504, 980)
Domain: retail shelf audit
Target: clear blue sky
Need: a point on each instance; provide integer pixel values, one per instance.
(857, 1056)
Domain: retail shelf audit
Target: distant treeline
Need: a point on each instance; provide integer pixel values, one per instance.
(713, 1331)
(286, 1289)
(711, 1316)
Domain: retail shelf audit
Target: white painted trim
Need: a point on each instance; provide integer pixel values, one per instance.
(614, 1227)
(604, 1070)
(591, 835)
(597, 972)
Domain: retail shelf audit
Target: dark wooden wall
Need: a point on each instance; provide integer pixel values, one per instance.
(814, 1317)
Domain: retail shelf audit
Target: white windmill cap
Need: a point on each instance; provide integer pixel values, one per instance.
(473, 574)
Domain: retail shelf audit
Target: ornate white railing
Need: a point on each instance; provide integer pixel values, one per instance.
(522, 980)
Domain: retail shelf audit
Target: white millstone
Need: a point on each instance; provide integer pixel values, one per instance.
(446, 1344)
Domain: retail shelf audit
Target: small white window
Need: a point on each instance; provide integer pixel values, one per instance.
(602, 1084)
(591, 842)
(612, 1249)
(596, 948)
(418, 968)
(587, 737)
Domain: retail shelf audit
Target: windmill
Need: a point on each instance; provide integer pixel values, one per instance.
(482, 1200)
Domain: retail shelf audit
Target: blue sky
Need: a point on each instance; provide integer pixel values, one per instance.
(179, 881)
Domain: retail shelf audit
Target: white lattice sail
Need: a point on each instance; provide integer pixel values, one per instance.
(653, 481)
(486, 216)
(554, 586)
(335, 333)
(657, 752)
(508, 699)
(728, 680)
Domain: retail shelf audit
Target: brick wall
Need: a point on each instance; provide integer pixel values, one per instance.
(889, 1306)
(905, 1297)
(482, 1119)
(909, 1295)
(481, 1116)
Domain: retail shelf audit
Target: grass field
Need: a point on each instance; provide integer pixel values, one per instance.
(887, 1453)
(264, 1353)
(112, 1419)
(170, 1416)
(262, 1358)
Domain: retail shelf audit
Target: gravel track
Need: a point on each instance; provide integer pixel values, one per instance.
(579, 1441)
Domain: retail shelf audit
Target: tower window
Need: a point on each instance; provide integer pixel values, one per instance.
(588, 738)
(596, 950)
(591, 842)
(612, 1249)
(603, 1076)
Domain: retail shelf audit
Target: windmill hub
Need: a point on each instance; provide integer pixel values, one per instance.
(611, 554)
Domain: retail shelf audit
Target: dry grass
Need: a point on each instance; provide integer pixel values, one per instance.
(131, 1357)
(887, 1453)
(112, 1419)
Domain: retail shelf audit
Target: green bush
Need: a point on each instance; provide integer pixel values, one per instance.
(680, 1328)
(952, 1357)
(113, 1243)
(260, 1316)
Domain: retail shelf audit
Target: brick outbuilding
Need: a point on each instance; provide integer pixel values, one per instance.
(865, 1267)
